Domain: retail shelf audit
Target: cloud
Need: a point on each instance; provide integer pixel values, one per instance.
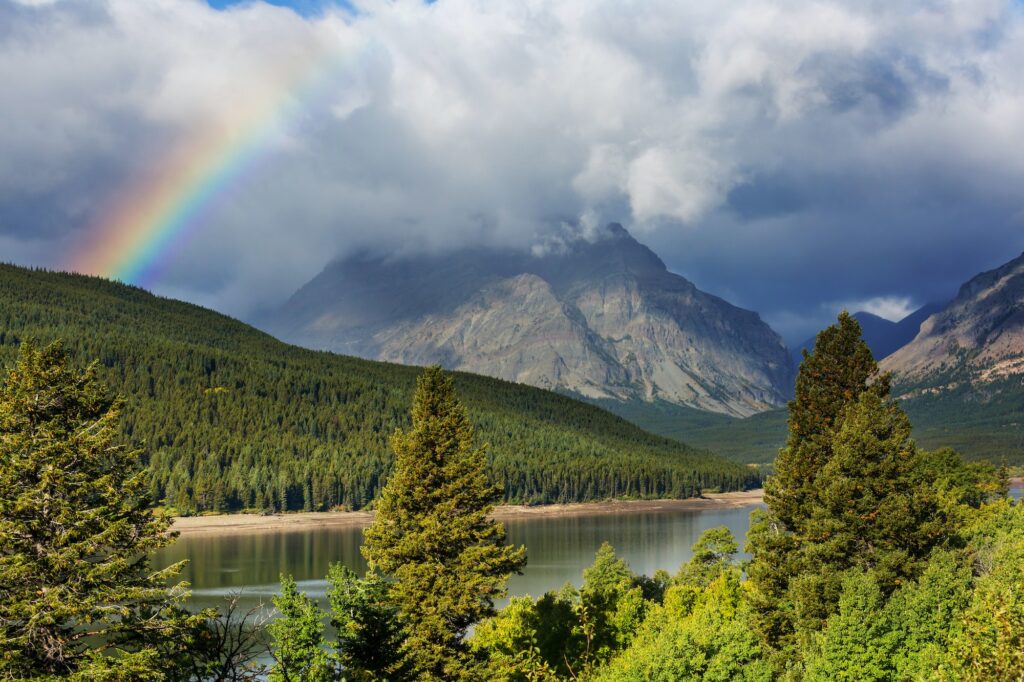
(783, 155)
(892, 308)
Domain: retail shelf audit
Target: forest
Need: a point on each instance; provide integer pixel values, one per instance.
(874, 560)
(231, 419)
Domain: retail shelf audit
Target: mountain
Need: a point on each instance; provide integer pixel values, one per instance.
(960, 380)
(602, 319)
(965, 369)
(978, 338)
(883, 336)
(231, 418)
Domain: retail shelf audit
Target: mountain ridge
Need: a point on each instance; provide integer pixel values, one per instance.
(977, 338)
(603, 318)
(884, 337)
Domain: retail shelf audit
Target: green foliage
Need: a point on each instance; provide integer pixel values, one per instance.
(297, 638)
(706, 638)
(834, 376)
(712, 554)
(990, 641)
(510, 641)
(77, 594)
(851, 493)
(232, 419)
(858, 644)
(790, 584)
(366, 620)
(431, 535)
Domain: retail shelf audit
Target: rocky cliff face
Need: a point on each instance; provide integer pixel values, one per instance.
(978, 338)
(604, 319)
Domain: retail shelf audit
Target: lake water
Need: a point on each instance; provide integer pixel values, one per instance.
(559, 548)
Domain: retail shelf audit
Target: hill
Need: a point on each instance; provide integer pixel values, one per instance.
(979, 429)
(232, 418)
(600, 317)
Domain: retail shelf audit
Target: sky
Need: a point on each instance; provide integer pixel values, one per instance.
(794, 157)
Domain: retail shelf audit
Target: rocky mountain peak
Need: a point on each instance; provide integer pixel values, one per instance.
(979, 337)
(603, 318)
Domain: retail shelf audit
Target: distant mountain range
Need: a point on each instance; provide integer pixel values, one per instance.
(600, 318)
(883, 336)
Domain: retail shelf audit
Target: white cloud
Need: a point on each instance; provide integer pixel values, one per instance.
(473, 121)
(892, 308)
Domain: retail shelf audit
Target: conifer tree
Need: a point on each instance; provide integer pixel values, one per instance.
(831, 377)
(432, 537)
(852, 493)
(712, 553)
(369, 636)
(77, 593)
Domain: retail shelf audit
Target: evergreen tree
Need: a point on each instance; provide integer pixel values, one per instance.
(369, 636)
(77, 594)
(432, 537)
(852, 493)
(298, 638)
(712, 554)
(831, 377)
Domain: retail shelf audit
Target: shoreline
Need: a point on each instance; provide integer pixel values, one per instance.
(231, 524)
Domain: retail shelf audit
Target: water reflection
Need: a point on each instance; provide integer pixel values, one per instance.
(559, 548)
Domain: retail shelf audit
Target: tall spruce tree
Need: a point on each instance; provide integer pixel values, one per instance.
(432, 537)
(852, 493)
(77, 594)
(831, 377)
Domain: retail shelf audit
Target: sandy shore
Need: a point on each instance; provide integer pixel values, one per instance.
(254, 523)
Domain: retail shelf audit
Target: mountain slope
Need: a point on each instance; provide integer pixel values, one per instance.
(883, 336)
(960, 380)
(233, 418)
(978, 338)
(602, 319)
(965, 369)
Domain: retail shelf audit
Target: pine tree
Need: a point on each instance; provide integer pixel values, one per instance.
(712, 554)
(432, 537)
(831, 377)
(851, 493)
(77, 593)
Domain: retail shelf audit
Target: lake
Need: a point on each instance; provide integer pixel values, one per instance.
(559, 548)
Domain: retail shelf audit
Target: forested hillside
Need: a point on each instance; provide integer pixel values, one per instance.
(232, 418)
(980, 422)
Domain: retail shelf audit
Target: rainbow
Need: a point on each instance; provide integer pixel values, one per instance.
(152, 219)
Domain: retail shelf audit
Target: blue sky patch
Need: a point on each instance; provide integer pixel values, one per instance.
(306, 8)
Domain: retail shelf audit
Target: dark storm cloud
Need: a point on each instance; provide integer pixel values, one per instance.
(793, 158)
